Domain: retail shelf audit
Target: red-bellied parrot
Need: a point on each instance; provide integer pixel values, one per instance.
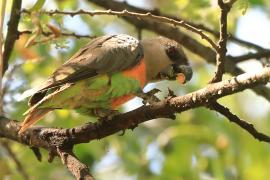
(107, 72)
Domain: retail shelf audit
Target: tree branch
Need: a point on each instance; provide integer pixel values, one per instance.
(126, 13)
(52, 138)
(60, 141)
(12, 32)
(235, 119)
(222, 43)
(257, 55)
(45, 33)
(2, 17)
(112, 4)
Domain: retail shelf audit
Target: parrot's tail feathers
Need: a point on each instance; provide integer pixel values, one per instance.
(32, 117)
(30, 110)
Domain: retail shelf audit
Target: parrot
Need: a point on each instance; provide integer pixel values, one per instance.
(107, 72)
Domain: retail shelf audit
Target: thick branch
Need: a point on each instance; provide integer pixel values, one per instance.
(12, 32)
(50, 138)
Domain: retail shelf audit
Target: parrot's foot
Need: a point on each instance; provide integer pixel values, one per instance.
(149, 97)
(105, 114)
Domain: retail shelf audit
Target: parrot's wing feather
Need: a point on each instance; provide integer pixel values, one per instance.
(103, 55)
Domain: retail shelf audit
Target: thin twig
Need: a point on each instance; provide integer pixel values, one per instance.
(116, 5)
(45, 33)
(222, 43)
(133, 14)
(231, 37)
(235, 119)
(258, 55)
(245, 43)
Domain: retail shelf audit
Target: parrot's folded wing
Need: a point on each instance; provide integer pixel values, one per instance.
(103, 55)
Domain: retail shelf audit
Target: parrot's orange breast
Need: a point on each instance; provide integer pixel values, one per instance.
(138, 72)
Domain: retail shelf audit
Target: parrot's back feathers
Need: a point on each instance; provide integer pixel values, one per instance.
(103, 55)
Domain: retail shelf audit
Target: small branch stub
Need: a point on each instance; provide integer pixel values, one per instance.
(77, 168)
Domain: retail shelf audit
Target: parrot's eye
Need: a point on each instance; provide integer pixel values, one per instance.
(176, 55)
(172, 53)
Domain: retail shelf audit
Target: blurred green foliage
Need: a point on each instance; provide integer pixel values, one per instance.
(199, 144)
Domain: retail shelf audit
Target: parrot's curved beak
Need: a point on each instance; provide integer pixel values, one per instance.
(184, 73)
(181, 73)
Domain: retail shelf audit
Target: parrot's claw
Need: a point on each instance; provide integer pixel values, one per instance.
(170, 93)
(105, 114)
(149, 97)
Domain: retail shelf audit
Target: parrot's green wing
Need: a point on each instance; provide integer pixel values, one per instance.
(103, 55)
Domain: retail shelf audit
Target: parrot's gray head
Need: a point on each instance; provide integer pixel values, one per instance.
(166, 60)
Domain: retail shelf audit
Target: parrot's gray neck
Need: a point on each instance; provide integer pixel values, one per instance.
(155, 58)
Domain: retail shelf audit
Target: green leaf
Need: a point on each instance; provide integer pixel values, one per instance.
(258, 2)
(38, 5)
(243, 6)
